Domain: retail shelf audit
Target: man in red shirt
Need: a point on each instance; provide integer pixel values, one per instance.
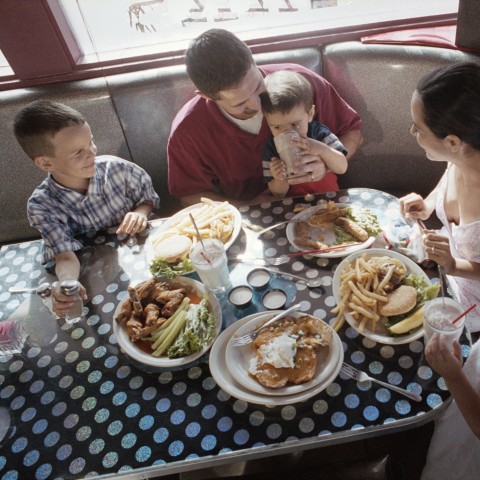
(217, 138)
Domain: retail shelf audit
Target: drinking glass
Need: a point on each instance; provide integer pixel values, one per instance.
(287, 151)
(211, 264)
(438, 316)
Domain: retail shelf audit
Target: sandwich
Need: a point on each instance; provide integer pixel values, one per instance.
(171, 256)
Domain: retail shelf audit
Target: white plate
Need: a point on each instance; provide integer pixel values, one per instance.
(237, 225)
(327, 233)
(238, 360)
(224, 379)
(164, 362)
(380, 334)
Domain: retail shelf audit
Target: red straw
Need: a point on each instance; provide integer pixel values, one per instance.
(325, 250)
(469, 309)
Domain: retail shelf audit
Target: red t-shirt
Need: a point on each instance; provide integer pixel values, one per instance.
(206, 151)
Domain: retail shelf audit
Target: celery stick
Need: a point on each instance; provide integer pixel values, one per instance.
(162, 329)
(170, 338)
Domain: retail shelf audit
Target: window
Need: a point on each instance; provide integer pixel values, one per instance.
(114, 29)
(4, 66)
(49, 41)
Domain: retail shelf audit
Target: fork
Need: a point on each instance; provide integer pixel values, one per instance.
(285, 258)
(360, 376)
(251, 336)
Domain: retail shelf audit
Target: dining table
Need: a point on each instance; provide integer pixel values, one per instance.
(74, 405)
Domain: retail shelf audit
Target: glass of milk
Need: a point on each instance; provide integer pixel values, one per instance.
(211, 264)
(287, 151)
(438, 316)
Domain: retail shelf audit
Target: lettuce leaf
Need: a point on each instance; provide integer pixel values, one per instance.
(199, 331)
(160, 268)
(366, 219)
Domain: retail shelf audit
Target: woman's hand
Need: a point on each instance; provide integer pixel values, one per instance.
(437, 248)
(414, 206)
(442, 359)
(133, 222)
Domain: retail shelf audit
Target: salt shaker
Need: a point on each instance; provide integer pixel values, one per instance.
(71, 288)
(44, 291)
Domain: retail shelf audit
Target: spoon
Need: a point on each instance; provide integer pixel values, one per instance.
(312, 283)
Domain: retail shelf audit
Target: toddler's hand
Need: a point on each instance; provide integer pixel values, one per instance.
(134, 222)
(277, 169)
(442, 359)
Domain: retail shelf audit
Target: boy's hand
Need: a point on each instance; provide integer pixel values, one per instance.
(134, 222)
(277, 169)
(61, 303)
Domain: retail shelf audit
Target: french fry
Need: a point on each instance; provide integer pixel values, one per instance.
(362, 289)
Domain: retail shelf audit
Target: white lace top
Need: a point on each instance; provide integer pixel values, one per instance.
(454, 452)
(465, 244)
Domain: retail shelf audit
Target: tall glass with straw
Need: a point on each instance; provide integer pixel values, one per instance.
(209, 260)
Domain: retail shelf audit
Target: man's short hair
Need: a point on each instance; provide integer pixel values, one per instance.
(217, 60)
(286, 90)
(37, 123)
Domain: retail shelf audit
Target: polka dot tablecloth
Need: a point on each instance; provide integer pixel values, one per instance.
(73, 405)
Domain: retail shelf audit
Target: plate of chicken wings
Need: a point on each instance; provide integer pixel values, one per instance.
(149, 306)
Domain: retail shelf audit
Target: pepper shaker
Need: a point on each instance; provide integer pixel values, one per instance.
(71, 288)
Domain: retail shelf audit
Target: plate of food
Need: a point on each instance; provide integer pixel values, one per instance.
(333, 225)
(167, 323)
(295, 354)
(168, 247)
(227, 382)
(381, 294)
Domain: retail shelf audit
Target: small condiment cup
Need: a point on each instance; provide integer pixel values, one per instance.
(241, 296)
(274, 299)
(258, 278)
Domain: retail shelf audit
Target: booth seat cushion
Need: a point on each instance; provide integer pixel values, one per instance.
(378, 82)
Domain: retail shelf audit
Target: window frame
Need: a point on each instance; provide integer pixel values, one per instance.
(37, 51)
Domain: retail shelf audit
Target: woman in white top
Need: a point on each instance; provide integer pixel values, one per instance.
(446, 123)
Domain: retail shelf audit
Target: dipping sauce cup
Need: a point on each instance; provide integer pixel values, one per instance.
(438, 316)
(287, 151)
(214, 273)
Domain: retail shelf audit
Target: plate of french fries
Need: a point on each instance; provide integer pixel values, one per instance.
(362, 283)
(213, 219)
(333, 225)
(167, 323)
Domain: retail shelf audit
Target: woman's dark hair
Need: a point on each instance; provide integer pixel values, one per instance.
(217, 60)
(451, 101)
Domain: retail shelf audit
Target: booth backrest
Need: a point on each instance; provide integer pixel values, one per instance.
(130, 115)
